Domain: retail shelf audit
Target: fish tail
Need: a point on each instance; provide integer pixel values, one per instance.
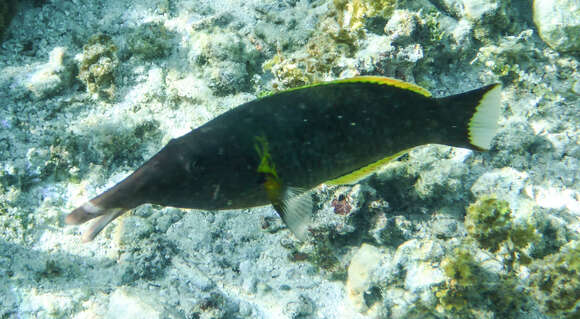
(473, 117)
(93, 209)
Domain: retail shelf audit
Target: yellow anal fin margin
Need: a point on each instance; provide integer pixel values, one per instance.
(365, 171)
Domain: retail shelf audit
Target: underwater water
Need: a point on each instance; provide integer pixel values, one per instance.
(90, 90)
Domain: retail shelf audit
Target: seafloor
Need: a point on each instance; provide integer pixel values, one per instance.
(89, 89)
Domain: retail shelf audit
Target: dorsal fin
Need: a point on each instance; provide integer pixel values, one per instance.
(386, 81)
(381, 80)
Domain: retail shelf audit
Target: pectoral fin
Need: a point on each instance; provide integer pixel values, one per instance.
(294, 205)
(295, 209)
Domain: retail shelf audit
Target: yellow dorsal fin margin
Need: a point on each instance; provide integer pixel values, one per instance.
(363, 172)
(386, 81)
(381, 80)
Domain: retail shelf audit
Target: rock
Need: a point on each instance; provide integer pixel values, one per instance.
(129, 305)
(300, 308)
(452, 7)
(558, 23)
(507, 183)
(150, 41)
(52, 77)
(360, 271)
(475, 10)
(134, 228)
(391, 231)
(401, 26)
(444, 227)
(422, 276)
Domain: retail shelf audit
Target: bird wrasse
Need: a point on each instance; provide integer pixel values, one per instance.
(274, 149)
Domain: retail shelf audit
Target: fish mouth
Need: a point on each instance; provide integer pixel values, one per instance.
(90, 211)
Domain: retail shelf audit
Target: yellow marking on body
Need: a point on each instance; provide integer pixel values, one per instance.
(273, 189)
(273, 185)
(380, 80)
(365, 171)
(266, 165)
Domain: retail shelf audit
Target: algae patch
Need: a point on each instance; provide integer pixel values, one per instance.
(97, 66)
(555, 282)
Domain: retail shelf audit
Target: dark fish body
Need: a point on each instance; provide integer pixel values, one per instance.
(272, 149)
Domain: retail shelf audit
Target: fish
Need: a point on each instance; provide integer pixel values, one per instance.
(276, 149)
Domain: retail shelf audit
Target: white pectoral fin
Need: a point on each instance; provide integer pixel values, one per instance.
(295, 209)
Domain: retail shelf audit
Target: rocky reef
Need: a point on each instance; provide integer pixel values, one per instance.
(91, 89)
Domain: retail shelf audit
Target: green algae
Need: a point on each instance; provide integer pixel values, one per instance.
(490, 225)
(150, 41)
(470, 287)
(555, 282)
(489, 221)
(97, 66)
(463, 273)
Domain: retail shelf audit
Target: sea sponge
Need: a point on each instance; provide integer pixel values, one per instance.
(97, 66)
